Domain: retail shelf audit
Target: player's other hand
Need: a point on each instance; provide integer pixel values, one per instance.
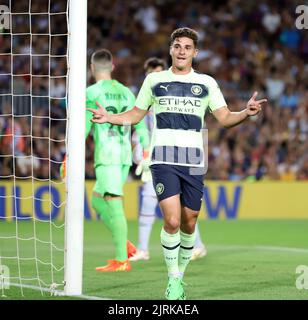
(143, 167)
(100, 115)
(254, 106)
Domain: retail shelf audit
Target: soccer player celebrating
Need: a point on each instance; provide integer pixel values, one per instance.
(112, 156)
(180, 97)
(148, 196)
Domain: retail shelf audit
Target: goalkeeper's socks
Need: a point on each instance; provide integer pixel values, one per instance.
(186, 248)
(171, 245)
(100, 205)
(118, 225)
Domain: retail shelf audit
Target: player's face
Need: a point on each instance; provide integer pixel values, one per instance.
(182, 53)
(157, 69)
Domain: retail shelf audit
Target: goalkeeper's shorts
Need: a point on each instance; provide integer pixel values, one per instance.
(169, 180)
(110, 179)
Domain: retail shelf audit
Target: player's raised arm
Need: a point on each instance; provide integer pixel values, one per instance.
(132, 116)
(230, 119)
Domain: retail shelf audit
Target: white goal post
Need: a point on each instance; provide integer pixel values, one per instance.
(76, 147)
(43, 71)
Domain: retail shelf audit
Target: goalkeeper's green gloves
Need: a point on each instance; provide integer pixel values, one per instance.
(143, 167)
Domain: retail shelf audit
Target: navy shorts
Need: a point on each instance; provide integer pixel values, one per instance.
(169, 180)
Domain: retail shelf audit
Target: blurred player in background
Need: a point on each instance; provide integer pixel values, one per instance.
(149, 200)
(180, 97)
(112, 156)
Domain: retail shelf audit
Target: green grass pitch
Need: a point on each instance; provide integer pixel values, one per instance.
(246, 260)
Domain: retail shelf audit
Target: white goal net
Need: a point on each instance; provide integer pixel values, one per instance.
(34, 137)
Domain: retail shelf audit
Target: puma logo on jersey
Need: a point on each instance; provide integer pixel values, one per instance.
(164, 87)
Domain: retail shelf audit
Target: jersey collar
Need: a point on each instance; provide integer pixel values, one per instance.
(182, 75)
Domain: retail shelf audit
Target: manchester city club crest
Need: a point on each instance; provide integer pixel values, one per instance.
(159, 188)
(196, 90)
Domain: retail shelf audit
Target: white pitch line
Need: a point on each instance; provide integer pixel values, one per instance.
(286, 249)
(58, 292)
(211, 248)
(252, 247)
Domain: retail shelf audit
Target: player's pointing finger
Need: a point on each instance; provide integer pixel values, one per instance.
(99, 105)
(91, 110)
(261, 101)
(254, 95)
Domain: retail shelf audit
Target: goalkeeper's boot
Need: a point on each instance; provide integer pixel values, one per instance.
(140, 255)
(115, 266)
(198, 253)
(131, 249)
(175, 290)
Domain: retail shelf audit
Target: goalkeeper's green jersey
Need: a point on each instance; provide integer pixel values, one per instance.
(179, 103)
(112, 142)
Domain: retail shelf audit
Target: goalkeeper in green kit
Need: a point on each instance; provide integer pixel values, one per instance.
(112, 156)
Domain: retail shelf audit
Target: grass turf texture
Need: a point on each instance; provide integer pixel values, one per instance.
(246, 260)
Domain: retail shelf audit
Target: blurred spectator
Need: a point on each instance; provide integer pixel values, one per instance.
(245, 45)
(146, 15)
(289, 98)
(275, 84)
(271, 20)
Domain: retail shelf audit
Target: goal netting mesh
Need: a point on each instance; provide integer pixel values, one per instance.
(33, 131)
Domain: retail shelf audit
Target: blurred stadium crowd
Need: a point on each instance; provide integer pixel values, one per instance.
(245, 45)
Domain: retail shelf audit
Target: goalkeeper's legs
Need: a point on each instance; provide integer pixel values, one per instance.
(110, 180)
(110, 209)
(118, 226)
(100, 205)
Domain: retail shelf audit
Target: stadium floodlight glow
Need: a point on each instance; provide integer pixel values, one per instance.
(76, 148)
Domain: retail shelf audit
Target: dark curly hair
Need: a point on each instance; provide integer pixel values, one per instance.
(184, 32)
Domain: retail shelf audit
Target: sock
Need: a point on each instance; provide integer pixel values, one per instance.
(101, 207)
(145, 227)
(198, 242)
(112, 214)
(171, 245)
(186, 248)
(118, 228)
